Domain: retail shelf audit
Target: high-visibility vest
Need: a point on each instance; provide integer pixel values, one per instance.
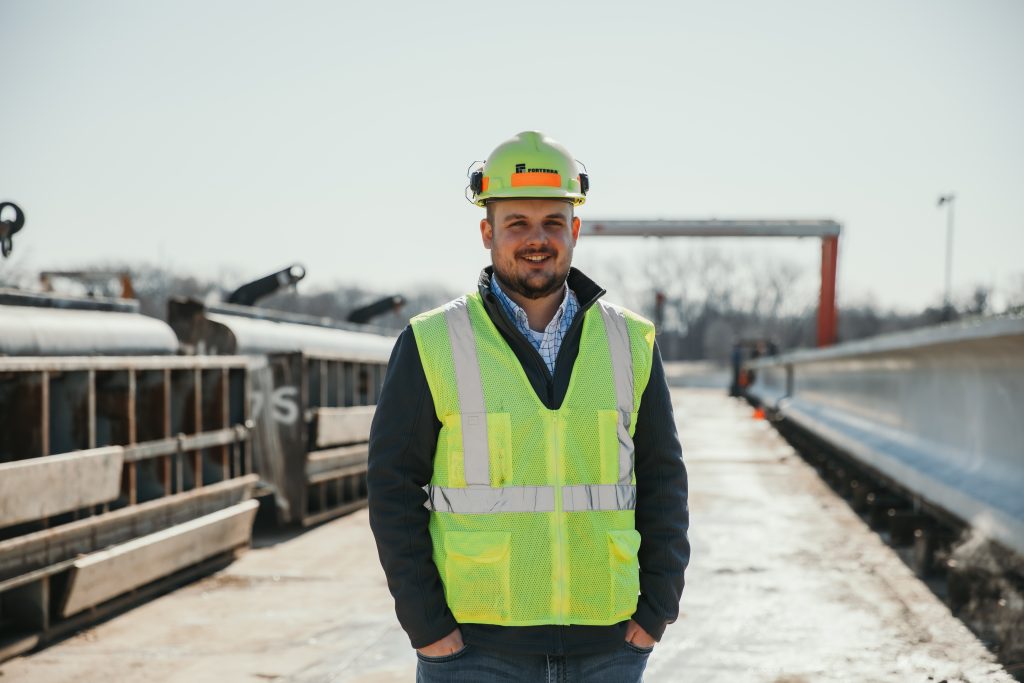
(533, 509)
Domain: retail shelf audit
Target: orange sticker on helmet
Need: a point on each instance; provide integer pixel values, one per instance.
(536, 179)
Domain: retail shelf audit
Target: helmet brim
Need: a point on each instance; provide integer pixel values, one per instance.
(576, 198)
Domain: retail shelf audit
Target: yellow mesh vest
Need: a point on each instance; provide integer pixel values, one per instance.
(537, 543)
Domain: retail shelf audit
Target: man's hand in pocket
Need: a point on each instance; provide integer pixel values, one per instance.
(447, 645)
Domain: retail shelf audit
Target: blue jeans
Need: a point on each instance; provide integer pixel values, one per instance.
(474, 664)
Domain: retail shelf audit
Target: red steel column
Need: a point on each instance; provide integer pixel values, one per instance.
(827, 323)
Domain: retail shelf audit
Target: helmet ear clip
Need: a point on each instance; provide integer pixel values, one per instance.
(584, 183)
(476, 182)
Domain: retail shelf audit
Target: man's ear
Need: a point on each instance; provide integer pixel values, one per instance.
(575, 229)
(486, 233)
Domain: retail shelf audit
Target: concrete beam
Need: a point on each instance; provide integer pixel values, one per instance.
(106, 574)
(334, 426)
(37, 488)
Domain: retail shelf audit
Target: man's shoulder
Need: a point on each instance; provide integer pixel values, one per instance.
(437, 320)
(433, 313)
(628, 314)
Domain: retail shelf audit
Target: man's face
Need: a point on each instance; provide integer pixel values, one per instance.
(531, 243)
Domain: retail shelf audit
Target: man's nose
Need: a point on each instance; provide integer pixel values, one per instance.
(537, 234)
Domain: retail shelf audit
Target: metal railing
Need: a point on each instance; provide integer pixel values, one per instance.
(935, 412)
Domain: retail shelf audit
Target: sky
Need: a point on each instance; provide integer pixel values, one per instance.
(230, 139)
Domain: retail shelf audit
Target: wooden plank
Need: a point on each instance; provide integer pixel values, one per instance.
(40, 487)
(333, 458)
(335, 426)
(50, 547)
(104, 575)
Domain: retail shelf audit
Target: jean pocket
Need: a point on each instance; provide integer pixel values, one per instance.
(637, 649)
(441, 659)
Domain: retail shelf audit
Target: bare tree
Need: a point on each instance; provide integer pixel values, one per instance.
(714, 298)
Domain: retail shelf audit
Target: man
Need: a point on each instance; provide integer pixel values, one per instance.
(526, 485)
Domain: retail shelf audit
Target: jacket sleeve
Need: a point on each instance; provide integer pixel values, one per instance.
(662, 510)
(401, 452)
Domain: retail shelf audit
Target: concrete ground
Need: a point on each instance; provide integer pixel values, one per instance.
(786, 585)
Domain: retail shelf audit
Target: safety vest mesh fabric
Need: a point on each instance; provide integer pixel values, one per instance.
(533, 509)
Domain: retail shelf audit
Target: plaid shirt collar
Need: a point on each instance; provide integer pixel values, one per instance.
(549, 341)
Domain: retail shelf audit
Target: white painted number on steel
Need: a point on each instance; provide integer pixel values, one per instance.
(284, 404)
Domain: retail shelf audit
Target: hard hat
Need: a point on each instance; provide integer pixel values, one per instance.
(530, 165)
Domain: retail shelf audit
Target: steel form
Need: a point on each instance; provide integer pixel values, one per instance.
(106, 465)
(314, 385)
(312, 427)
(116, 470)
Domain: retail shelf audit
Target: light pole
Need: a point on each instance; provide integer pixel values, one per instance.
(948, 200)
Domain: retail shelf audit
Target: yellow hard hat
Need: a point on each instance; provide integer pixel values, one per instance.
(530, 165)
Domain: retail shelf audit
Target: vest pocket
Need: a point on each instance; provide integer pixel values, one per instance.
(477, 575)
(623, 545)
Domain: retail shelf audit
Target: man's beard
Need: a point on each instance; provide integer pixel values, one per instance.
(531, 285)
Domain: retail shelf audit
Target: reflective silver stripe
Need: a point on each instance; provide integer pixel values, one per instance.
(475, 454)
(598, 497)
(622, 369)
(485, 499)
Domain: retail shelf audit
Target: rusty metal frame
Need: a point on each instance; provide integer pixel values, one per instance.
(826, 229)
